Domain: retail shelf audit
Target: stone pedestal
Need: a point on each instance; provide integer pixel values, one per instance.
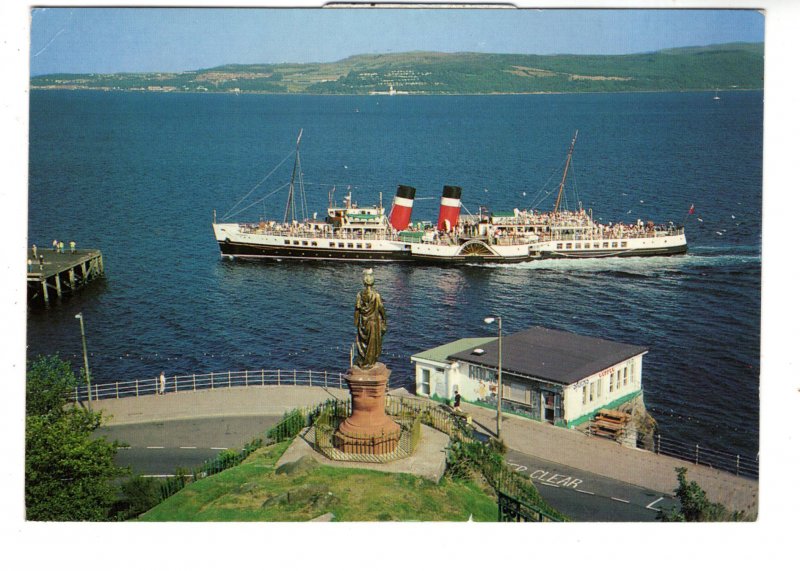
(368, 430)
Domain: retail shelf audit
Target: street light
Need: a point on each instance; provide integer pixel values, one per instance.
(79, 317)
(499, 368)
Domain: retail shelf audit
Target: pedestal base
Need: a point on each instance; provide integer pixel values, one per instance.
(368, 430)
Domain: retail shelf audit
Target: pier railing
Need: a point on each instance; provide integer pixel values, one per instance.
(214, 380)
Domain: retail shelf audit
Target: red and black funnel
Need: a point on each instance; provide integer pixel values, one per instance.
(403, 204)
(450, 208)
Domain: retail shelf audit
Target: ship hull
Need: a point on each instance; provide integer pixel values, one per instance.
(632, 253)
(233, 250)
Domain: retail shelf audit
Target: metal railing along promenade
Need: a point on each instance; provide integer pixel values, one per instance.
(210, 381)
(700, 455)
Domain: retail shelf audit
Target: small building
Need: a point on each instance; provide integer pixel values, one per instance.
(548, 375)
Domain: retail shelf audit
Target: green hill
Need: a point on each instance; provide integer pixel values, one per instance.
(253, 491)
(724, 66)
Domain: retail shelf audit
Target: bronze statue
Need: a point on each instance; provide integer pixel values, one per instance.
(370, 322)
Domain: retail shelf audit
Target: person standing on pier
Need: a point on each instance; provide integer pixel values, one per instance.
(41, 261)
(30, 265)
(33, 249)
(162, 383)
(55, 245)
(72, 246)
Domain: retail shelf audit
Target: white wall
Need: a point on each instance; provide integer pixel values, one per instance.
(574, 405)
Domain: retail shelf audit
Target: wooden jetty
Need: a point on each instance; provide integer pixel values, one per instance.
(61, 272)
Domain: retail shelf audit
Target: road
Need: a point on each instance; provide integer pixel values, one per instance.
(158, 448)
(584, 496)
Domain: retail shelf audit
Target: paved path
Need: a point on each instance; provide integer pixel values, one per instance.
(566, 447)
(607, 458)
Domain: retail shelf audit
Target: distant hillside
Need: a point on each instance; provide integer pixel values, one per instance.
(725, 66)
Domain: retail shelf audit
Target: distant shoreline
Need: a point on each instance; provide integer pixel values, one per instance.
(382, 96)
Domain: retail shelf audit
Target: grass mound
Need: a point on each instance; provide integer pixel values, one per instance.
(253, 491)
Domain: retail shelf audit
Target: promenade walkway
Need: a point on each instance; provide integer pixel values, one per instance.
(567, 447)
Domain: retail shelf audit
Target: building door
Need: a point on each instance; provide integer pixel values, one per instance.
(549, 407)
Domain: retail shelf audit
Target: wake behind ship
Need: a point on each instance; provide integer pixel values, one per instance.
(350, 232)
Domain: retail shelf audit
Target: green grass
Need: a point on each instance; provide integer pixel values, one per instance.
(253, 492)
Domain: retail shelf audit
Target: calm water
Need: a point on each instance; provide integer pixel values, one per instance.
(139, 175)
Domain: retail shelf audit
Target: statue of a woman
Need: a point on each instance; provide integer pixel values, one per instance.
(370, 322)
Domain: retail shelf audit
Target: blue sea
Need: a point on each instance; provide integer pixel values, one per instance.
(139, 176)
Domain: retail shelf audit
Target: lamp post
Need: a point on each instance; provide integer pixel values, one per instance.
(79, 317)
(499, 320)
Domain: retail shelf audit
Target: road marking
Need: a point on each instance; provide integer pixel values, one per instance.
(212, 448)
(651, 504)
(585, 492)
(188, 447)
(155, 447)
(619, 500)
(124, 448)
(551, 485)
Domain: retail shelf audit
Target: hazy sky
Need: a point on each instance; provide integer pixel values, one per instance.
(103, 40)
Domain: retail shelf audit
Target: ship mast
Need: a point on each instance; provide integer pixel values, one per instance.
(564, 177)
(290, 199)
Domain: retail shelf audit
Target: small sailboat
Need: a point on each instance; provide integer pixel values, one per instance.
(716, 95)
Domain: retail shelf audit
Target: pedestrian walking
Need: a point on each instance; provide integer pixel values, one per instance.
(41, 261)
(457, 401)
(72, 246)
(55, 245)
(61, 247)
(162, 383)
(30, 265)
(33, 249)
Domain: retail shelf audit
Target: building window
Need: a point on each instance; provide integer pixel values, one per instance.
(624, 244)
(332, 244)
(585, 393)
(591, 392)
(559, 246)
(613, 244)
(516, 392)
(286, 242)
(625, 380)
(425, 387)
(619, 378)
(305, 242)
(611, 383)
(569, 245)
(605, 244)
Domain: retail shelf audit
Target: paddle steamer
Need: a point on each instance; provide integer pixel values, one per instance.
(351, 232)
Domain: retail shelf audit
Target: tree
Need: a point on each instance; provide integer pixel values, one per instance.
(139, 494)
(695, 505)
(69, 474)
(49, 380)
